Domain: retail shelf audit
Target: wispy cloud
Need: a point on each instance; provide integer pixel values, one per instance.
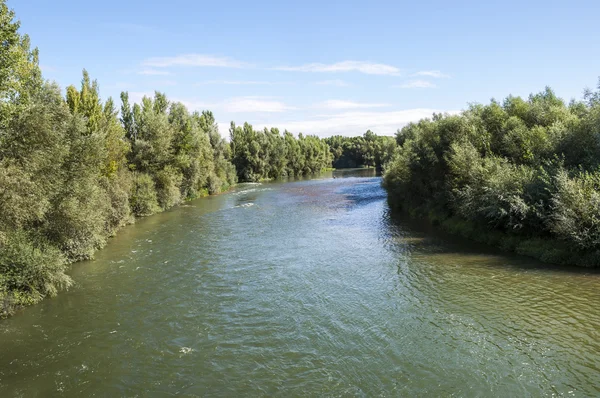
(353, 123)
(432, 73)
(194, 60)
(340, 104)
(254, 104)
(368, 68)
(153, 72)
(417, 84)
(242, 83)
(241, 105)
(335, 82)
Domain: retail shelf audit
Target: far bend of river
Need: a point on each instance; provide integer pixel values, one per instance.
(305, 288)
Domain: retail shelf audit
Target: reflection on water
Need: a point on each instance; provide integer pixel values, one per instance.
(309, 287)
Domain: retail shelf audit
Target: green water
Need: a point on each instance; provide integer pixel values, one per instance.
(306, 288)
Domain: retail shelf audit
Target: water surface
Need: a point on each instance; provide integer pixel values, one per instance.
(305, 288)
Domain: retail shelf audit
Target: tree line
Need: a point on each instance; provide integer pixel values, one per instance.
(522, 174)
(76, 168)
(370, 150)
(267, 154)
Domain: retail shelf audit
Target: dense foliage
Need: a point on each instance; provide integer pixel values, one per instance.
(521, 174)
(370, 150)
(72, 173)
(266, 154)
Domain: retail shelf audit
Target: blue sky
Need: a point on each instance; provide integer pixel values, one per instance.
(320, 67)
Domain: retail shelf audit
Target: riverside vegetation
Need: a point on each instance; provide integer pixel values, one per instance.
(370, 150)
(519, 174)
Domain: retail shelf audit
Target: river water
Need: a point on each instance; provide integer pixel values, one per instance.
(305, 288)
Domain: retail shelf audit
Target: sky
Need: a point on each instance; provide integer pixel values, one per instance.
(319, 67)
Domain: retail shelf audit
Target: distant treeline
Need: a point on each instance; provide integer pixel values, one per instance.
(370, 150)
(266, 154)
(74, 170)
(520, 174)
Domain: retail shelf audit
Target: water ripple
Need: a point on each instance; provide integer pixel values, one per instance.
(307, 288)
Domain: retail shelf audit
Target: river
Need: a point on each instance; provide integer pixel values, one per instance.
(305, 288)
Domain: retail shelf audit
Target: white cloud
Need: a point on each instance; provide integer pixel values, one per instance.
(368, 68)
(240, 105)
(339, 104)
(254, 104)
(352, 123)
(432, 73)
(417, 84)
(153, 72)
(194, 60)
(336, 82)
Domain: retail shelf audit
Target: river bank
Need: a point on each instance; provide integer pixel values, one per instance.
(546, 250)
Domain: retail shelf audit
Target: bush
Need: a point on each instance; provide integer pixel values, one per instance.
(30, 269)
(576, 209)
(143, 199)
(118, 188)
(167, 185)
(76, 224)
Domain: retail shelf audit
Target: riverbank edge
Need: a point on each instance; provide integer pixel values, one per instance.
(549, 251)
(11, 302)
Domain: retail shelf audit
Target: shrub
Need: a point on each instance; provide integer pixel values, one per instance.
(576, 209)
(143, 199)
(167, 185)
(30, 269)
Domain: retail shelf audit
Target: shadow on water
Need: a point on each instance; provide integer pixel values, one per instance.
(347, 173)
(421, 235)
(364, 192)
(424, 237)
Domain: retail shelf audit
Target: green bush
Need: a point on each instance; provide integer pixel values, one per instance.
(30, 269)
(143, 199)
(576, 209)
(118, 188)
(168, 182)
